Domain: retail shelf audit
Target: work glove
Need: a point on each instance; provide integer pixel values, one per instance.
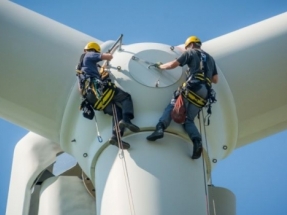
(156, 65)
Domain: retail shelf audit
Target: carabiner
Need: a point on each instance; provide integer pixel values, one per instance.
(100, 139)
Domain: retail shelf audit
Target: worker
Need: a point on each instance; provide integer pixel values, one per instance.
(201, 72)
(121, 100)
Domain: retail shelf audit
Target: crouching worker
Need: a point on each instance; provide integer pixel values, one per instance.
(101, 94)
(195, 91)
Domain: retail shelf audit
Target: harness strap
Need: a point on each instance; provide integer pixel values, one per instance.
(98, 93)
(194, 98)
(106, 97)
(201, 77)
(79, 65)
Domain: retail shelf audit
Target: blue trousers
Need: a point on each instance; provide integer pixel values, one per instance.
(191, 113)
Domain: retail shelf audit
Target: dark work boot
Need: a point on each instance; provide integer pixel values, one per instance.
(197, 148)
(114, 141)
(158, 133)
(128, 124)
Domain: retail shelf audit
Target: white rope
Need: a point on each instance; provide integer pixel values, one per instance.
(214, 209)
(124, 164)
(118, 132)
(204, 172)
(206, 142)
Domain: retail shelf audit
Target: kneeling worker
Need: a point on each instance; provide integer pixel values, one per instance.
(121, 100)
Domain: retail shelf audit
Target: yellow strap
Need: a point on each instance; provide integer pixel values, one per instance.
(195, 99)
(105, 99)
(200, 76)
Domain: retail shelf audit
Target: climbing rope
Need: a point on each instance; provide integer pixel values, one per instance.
(205, 137)
(204, 170)
(118, 133)
(124, 164)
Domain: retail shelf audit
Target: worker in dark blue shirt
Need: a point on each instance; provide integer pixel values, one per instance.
(202, 73)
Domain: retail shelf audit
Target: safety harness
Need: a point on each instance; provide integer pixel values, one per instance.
(190, 87)
(98, 93)
(192, 97)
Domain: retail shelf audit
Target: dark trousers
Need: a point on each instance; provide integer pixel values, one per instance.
(123, 105)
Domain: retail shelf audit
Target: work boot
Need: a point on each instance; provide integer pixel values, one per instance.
(197, 148)
(128, 124)
(114, 141)
(158, 133)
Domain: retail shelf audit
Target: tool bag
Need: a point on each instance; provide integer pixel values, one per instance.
(87, 109)
(178, 114)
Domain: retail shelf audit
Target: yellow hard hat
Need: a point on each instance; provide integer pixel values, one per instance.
(192, 39)
(93, 45)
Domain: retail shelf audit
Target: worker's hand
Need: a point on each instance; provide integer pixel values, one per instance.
(157, 65)
(106, 56)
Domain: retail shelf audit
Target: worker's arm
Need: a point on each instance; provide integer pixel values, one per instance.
(214, 79)
(106, 56)
(169, 65)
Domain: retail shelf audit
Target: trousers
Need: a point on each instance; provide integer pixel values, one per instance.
(191, 112)
(124, 107)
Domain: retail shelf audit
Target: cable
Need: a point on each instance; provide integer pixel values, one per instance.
(204, 172)
(124, 164)
(118, 133)
(206, 142)
(214, 209)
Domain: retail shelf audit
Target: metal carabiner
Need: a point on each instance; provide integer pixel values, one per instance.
(100, 139)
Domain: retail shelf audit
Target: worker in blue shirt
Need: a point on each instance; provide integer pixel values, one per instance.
(121, 100)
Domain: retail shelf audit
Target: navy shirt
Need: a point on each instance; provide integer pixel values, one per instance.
(191, 58)
(89, 65)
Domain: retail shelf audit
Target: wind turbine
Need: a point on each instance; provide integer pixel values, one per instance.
(147, 178)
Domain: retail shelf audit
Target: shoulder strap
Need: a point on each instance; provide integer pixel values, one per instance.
(79, 66)
(202, 56)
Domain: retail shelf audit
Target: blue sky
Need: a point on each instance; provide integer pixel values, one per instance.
(255, 173)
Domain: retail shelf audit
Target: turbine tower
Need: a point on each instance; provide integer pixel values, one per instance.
(39, 92)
